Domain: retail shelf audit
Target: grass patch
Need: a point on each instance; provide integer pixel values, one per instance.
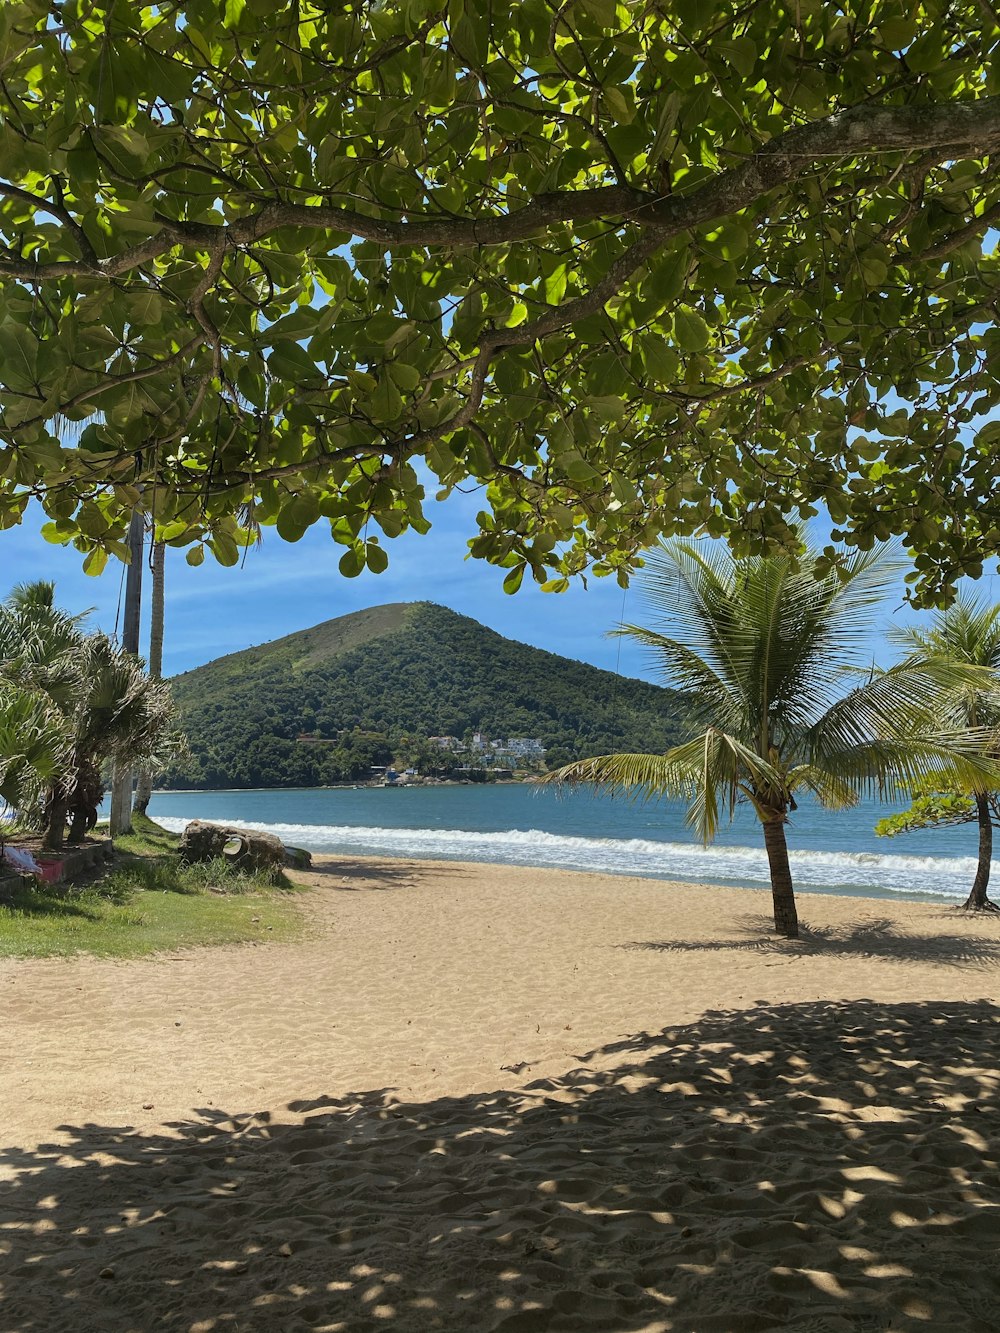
(148, 902)
(146, 838)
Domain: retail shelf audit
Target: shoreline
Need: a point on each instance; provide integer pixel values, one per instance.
(507, 1100)
(508, 824)
(930, 897)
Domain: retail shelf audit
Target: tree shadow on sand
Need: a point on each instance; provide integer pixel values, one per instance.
(867, 938)
(820, 1167)
(361, 873)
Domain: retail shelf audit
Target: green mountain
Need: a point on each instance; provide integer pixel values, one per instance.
(324, 704)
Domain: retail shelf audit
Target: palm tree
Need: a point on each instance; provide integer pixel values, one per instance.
(764, 646)
(87, 699)
(122, 715)
(34, 745)
(966, 634)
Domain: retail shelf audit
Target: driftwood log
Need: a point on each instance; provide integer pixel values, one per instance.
(245, 849)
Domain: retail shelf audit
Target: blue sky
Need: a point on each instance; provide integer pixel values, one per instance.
(281, 588)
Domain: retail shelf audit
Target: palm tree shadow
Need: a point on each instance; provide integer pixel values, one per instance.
(866, 938)
(374, 874)
(820, 1165)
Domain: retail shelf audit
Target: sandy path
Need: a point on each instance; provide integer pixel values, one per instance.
(454, 1105)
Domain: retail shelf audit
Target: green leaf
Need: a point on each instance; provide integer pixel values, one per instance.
(404, 377)
(376, 557)
(555, 285)
(691, 330)
(288, 361)
(741, 53)
(145, 308)
(660, 360)
(95, 561)
(385, 403)
(514, 579)
(18, 357)
(665, 126)
(297, 515)
(607, 406)
(667, 277)
(617, 105)
(925, 53)
(196, 555)
(622, 488)
(352, 562)
(470, 34)
(224, 549)
(897, 33)
(126, 149)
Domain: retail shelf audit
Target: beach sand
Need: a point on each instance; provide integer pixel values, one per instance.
(490, 1098)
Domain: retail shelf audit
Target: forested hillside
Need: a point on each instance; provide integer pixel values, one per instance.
(370, 687)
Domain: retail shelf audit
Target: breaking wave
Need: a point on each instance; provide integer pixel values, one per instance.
(871, 873)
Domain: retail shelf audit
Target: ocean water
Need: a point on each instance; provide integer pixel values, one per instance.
(830, 851)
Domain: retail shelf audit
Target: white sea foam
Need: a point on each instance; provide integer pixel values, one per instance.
(867, 871)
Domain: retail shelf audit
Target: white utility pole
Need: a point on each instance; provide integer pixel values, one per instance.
(121, 781)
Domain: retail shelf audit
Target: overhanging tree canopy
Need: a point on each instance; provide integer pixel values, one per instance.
(639, 268)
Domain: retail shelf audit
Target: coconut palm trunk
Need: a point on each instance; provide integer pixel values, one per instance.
(786, 917)
(144, 788)
(977, 899)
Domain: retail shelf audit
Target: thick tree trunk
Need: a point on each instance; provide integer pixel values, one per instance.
(55, 824)
(144, 787)
(977, 900)
(78, 828)
(786, 918)
(86, 798)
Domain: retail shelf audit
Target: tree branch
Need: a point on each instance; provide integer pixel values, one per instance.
(693, 395)
(956, 238)
(966, 127)
(557, 317)
(131, 377)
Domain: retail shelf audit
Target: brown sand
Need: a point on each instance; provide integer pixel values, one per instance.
(482, 1098)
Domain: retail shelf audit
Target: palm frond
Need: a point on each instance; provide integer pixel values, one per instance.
(693, 593)
(887, 766)
(966, 635)
(967, 631)
(817, 626)
(909, 699)
(35, 746)
(830, 789)
(712, 772)
(682, 668)
(773, 633)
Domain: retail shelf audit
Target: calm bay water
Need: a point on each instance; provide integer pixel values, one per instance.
(831, 852)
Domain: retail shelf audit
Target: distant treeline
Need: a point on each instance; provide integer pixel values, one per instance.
(369, 688)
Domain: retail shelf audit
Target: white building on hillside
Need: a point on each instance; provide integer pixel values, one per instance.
(529, 746)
